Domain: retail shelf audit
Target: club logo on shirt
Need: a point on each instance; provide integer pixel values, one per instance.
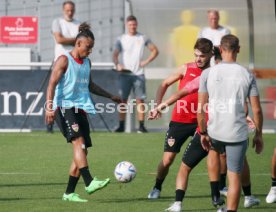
(171, 141)
(75, 127)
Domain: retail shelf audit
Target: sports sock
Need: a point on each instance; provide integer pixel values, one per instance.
(122, 125)
(247, 190)
(222, 181)
(273, 181)
(215, 189)
(158, 184)
(179, 195)
(141, 123)
(85, 173)
(230, 211)
(72, 183)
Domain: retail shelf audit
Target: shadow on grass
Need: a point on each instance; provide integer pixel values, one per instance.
(31, 184)
(24, 199)
(124, 200)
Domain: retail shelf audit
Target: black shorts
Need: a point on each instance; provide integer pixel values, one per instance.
(177, 134)
(194, 152)
(73, 124)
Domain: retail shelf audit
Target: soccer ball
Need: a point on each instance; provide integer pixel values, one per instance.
(125, 172)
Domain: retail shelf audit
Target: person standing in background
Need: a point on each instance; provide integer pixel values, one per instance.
(214, 32)
(131, 45)
(64, 29)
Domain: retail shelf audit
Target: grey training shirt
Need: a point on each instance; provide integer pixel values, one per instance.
(228, 86)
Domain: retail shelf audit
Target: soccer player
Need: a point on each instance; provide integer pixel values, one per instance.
(226, 87)
(68, 102)
(271, 197)
(183, 122)
(193, 154)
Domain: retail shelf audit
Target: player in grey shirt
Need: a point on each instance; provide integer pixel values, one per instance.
(226, 87)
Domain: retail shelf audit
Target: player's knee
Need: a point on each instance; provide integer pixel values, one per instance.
(185, 168)
(167, 161)
(274, 152)
(79, 143)
(74, 171)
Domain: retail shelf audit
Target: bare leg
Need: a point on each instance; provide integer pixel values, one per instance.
(79, 152)
(162, 171)
(164, 165)
(271, 196)
(74, 171)
(122, 114)
(234, 190)
(140, 109)
(183, 177)
(213, 164)
(273, 164)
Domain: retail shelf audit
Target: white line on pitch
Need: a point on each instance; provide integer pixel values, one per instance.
(256, 174)
(17, 173)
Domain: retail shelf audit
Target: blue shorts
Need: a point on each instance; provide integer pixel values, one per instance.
(128, 82)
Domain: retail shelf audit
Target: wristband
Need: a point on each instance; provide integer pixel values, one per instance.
(203, 133)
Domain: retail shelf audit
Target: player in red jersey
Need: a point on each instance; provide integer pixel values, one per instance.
(183, 123)
(194, 153)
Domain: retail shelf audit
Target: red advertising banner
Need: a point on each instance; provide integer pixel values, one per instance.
(18, 29)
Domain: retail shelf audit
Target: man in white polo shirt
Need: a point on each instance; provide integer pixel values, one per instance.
(214, 32)
(225, 87)
(65, 29)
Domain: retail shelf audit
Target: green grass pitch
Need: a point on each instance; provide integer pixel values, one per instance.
(34, 172)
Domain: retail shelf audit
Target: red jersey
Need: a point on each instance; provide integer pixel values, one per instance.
(185, 108)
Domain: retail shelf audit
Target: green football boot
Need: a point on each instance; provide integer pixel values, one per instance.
(96, 185)
(73, 197)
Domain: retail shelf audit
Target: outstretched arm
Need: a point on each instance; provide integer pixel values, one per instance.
(94, 88)
(168, 82)
(190, 88)
(156, 112)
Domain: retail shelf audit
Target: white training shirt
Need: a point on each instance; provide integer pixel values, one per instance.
(68, 29)
(132, 49)
(214, 35)
(228, 86)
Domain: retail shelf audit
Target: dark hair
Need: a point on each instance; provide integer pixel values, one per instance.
(68, 2)
(84, 31)
(230, 43)
(131, 18)
(204, 45)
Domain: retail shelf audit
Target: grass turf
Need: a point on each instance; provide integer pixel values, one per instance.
(34, 174)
